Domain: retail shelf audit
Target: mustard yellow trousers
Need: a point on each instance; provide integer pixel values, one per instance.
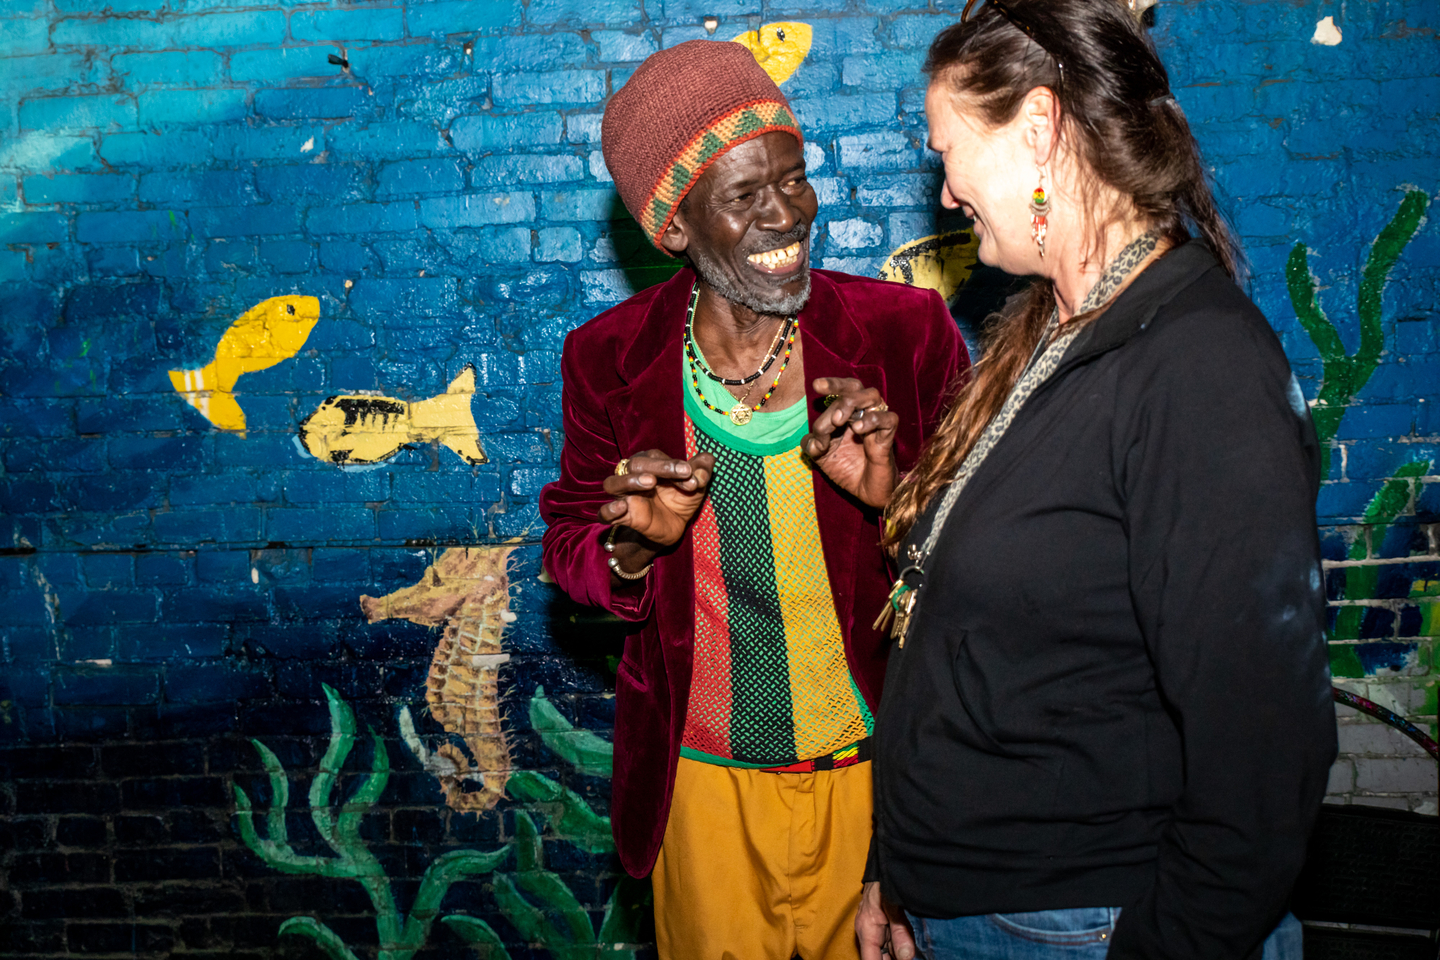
(762, 866)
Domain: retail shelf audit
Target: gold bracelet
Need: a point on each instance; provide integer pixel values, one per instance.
(614, 562)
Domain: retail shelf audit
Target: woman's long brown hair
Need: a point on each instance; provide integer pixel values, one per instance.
(1119, 120)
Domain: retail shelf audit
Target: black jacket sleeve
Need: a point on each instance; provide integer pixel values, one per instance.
(1220, 469)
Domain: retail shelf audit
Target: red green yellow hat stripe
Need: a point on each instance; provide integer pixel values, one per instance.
(746, 122)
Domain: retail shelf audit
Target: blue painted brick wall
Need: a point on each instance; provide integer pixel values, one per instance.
(169, 589)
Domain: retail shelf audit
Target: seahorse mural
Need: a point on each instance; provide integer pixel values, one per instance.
(467, 590)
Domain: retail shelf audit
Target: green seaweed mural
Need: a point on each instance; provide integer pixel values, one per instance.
(534, 900)
(399, 939)
(557, 921)
(1345, 373)
(1362, 583)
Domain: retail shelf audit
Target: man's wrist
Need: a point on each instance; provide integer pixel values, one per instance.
(621, 545)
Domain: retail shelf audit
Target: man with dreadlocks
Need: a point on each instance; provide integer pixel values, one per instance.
(731, 436)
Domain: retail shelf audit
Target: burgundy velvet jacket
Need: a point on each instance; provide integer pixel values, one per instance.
(622, 394)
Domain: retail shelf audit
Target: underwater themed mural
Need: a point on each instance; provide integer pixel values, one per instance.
(270, 332)
(283, 293)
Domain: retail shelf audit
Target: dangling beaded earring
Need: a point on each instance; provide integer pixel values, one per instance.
(1039, 208)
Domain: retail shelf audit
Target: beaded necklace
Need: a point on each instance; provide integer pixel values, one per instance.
(741, 412)
(770, 354)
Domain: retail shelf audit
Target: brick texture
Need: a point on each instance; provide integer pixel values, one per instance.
(172, 588)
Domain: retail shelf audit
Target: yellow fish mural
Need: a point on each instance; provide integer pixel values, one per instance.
(268, 333)
(779, 48)
(942, 262)
(357, 428)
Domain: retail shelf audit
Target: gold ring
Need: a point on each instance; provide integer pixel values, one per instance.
(623, 467)
(880, 407)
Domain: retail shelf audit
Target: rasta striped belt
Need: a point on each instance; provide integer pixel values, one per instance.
(857, 752)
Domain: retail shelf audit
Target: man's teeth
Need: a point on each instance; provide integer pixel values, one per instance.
(777, 258)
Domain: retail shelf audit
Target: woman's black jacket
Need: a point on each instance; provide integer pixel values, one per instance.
(1116, 691)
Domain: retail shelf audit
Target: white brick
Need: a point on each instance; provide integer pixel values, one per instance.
(1397, 776)
(1377, 739)
(1390, 803)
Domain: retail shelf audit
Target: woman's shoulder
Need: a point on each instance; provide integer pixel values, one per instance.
(1209, 321)
(1209, 350)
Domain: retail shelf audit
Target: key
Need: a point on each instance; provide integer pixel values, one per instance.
(897, 605)
(905, 606)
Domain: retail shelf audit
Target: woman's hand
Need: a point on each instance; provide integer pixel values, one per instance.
(879, 924)
(853, 441)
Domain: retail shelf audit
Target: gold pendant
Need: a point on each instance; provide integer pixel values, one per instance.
(740, 414)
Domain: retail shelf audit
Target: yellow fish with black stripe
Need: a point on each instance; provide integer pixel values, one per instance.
(357, 428)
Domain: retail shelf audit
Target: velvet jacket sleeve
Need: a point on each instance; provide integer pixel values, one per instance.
(573, 544)
(1219, 467)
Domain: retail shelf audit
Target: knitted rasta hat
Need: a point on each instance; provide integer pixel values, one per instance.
(679, 112)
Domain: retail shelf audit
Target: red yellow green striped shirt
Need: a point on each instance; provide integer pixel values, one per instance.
(770, 684)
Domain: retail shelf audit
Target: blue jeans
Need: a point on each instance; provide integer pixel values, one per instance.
(1078, 934)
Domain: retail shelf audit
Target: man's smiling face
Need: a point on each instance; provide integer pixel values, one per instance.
(746, 225)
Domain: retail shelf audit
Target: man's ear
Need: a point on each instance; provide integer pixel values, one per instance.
(676, 238)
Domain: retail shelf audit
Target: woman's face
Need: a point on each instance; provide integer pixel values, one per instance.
(990, 173)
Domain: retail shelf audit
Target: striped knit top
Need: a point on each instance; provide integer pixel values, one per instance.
(770, 684)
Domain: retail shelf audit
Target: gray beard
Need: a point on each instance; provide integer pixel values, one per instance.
(719, 281)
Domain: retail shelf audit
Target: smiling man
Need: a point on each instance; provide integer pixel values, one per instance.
(731, 437)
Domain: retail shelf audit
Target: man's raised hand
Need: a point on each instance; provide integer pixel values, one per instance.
(853, 440)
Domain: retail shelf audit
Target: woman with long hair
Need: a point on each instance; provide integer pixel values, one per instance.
(1106, 726)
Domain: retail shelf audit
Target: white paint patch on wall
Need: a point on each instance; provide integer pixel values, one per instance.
(1326, 33)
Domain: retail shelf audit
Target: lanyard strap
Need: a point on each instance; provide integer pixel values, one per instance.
(1042, 365)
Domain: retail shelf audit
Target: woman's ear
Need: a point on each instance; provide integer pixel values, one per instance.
(1040, 112)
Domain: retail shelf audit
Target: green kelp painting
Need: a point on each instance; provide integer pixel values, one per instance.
(1367, 578)
(1345, 373)
(533, 899)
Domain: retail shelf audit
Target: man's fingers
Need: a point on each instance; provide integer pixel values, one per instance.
(847, 406)
(874, 426)
(871, 923)
(875, 422)
(827, 386)
(860, 401)
(702, 468)
(666, 468)
(814, 447)
(902, 943)
(614, 510)
(630, 483)
(902, 938)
